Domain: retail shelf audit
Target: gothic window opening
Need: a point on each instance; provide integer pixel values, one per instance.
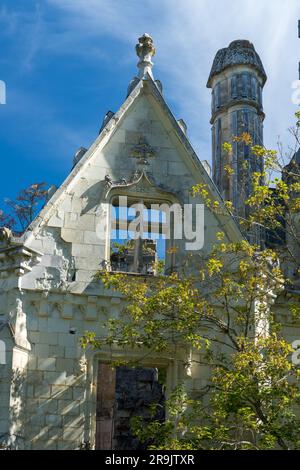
(139, 232)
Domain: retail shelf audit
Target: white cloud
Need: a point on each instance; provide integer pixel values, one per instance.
(187, 35)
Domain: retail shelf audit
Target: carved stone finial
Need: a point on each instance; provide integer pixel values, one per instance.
(145, 50)
(5, 235)
(239, 52)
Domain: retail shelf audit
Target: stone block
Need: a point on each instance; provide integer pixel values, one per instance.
(92, 238)
(57, 325)
(66, 203)
(49, 245)
(34, 377)
(54, 420)
(67, 340)
(32, 432)
(48, 338)
(32, 324)
(72, 235)
(31, 405)
(71, 353)
(55, 378)
(29, 391)
(71, 379)
(67, 407)
(85, 251)
(55, 433)
(77, 221)
(42, 391)
(91, 313)
(77, 204)
(41, 350)
(36, 244)
(57, 351)
(63, 445)
(73, 421)
(43, 324)
(87, 264)
(84, 276)
(32, 362)
(44, 444)
(34, 336)
(65, 365)
(43, 312)
(198, 384)
(67, 311)
(48, 406)
(57, 220)
(61, 392)
(73, 434)
(78, 393)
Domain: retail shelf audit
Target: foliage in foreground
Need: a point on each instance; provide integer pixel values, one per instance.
(225, 313)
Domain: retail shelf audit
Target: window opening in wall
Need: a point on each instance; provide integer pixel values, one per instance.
(138, 236)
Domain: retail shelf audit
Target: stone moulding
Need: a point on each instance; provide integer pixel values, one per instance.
(17, 259)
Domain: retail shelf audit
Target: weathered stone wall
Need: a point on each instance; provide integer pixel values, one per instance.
(55, 290)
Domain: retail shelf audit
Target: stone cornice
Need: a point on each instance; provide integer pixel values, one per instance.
(240, 52)
(17, 259)
(232, 104)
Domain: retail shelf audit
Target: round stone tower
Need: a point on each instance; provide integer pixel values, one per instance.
(237, 79)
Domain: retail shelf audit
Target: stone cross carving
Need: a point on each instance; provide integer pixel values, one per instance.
(142, 152)
(145, 50)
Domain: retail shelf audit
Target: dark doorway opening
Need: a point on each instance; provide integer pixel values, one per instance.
(123, 393)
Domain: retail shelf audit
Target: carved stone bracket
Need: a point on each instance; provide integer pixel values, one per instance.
(5, 236)
(17, 259)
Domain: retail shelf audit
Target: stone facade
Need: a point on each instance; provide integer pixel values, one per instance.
(48, 295)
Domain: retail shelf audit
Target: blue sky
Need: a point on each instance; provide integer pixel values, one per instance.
(66, 62)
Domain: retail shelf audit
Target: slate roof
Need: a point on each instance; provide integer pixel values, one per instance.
(239, 52)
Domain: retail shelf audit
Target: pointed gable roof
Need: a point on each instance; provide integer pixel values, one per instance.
(148, 86)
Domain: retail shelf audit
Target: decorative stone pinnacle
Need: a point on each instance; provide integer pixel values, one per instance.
(145, 50)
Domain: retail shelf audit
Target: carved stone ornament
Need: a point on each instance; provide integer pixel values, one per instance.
(142, 152)
(145, 50)
(145, 47)
(5, 235)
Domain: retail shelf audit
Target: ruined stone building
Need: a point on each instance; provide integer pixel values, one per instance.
(54, 395)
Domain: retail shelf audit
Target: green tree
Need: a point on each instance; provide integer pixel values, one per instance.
(21, 211)
(226, 312)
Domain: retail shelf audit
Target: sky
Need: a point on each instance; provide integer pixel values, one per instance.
(65, 63)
